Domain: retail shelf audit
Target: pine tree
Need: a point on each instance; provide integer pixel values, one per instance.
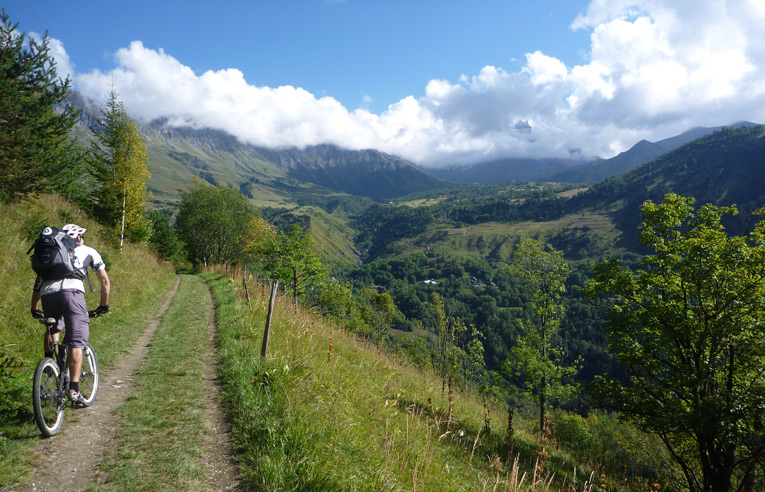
(35, 148)
(121, 172)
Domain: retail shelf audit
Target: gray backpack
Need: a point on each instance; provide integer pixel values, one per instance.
(53, 255)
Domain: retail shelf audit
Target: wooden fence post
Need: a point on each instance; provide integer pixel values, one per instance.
(267, 332)
(247, 292)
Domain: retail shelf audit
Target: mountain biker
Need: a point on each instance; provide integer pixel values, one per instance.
(64, 300)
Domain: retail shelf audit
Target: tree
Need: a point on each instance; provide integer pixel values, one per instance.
(119, 159)
(334, 298)
(212, 222)
(35, 147)
(449, 331)
(689, 327)
(536, 356)
(164, 239)
(286, 256)
(382, 312)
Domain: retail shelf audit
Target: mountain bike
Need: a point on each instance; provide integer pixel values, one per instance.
(50, 390)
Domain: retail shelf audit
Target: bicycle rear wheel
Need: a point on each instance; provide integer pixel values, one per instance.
(47, 403)
(89, 376)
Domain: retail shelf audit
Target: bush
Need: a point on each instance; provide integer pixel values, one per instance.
(573, 432)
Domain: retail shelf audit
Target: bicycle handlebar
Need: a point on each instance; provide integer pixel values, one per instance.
(50, 321)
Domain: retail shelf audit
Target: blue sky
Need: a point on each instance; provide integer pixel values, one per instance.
(436, 82)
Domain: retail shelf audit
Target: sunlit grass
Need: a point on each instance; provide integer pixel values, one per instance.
(497, 239)
(324, 411)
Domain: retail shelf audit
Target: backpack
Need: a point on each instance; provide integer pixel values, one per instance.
(53, 255)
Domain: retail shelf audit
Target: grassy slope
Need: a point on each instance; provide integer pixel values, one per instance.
(332, 236)
(326, 412)
(169, 175)
(497, 240)
(139, 285)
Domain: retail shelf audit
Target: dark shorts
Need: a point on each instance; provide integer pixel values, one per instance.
(70, 311)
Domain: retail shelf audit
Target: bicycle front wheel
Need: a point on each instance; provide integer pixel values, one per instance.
(89, 376)
(46, 401)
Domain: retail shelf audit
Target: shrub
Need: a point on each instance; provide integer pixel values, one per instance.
(573, 432)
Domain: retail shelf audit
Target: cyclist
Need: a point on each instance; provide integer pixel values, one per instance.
(65, 300)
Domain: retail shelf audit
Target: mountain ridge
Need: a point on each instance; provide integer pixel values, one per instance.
(178, 155)
(642, 152)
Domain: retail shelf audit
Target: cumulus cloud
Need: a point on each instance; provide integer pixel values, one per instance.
(654, 69)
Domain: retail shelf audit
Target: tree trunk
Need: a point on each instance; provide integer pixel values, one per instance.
(542, 403)
(124, 204)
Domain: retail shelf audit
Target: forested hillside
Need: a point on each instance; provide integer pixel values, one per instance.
(723, 168)
(457, 242)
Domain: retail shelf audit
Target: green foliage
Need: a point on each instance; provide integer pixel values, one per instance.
(381, 313)
(573, 431)
(333, 298)
(211, 221)
(119, 163)
(538, 359)
(475, 292)
(288, 257)
(688, 326)
(35, 149)
(164, 239)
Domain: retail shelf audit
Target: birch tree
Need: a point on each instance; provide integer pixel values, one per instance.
(120, 169)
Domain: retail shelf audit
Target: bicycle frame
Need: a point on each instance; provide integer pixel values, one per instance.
(61, 356)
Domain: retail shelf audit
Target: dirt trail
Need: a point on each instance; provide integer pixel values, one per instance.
(69, 461)
(222, 472)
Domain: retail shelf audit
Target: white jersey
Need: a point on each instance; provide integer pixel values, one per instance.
(84, 257)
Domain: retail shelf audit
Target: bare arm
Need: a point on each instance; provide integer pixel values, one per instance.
(103, 277)
(35, 300)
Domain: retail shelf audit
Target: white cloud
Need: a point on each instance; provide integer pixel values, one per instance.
(544, 69)
(654, 69)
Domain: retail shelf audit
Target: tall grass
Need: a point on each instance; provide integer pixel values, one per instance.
(139, 284)
(324, 411)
